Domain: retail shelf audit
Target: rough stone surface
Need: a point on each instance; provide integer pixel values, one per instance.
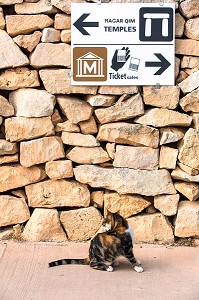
(190, 102)
(152, 228)
(59, 169)
(67, 126)
(62, 5)
(189, 149)
(44, 225)
(28, 41)
(179, 25)
(25, 24)
(168, 157)
(110, 148)
(74, 109)
(125, 181)
(167, 204)
(10, 2)
(20, 128)
(130, 134)
(144, 158)
(118, 90)
(78, 139)
(187, 169)
(57, 81)
(62, 21)
(164, 97)
(100, 100)
(160, 117)
(189, 189)
(182, 175)
(122, 110)
(58, 193)
(190, 83)
(7, 148)
(41, 6)
(189, 8)
(177, 67)
(97, 198)
(195, 123)
(125, 205)
(190, 62)
(50, 35)
(192, 29)
(84, 155)
(187, 47)
(89, 126)
(9, 159)
(66, 36)
(13, 79)
(187, 221)
(56, 117)
(13, 210)
(58, 55)
(41, 150)
(170, 135)
(6, 109)
(14, 176)
(81, 224)
(11, 55)
(30, 102)
(2, 20)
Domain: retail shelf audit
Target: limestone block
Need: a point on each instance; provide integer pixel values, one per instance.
(130, 134)
(186, 224)
(28, 41)
(100, 100)
(75, 109)
(15, 176)
(41, 150)
(164, 97)
(50, 35)
(121, 110)
(89, 126)
(44, 225)
(110, 148)
(21, 128)
(59, 169)
(190, 83)
(13, 210)
(189, 149)
(41, 6)
(56, 118)
(179, 25)
(153, 228)
(195, 123)
(25, 24)
(192, 29)
(84, 155)
(58, 55)
(182, 76)
(187, 47)
(177, 67)
(67, 126)
(170, 135)
(187, 169)
(6, 109)
(97, 198)
(9, 159)
(13, 79)
(10, 2)
(144, 158)
(78, 139)
(62, 5)
(126, 181)
(117, 90)
(190, 102)
(57, 81)
(125, 205)
(189, 189)
(7, 148)
(2, 20)
(81, 224)
(62, 21)
(162, 117)
(66, 36)
(182, 175)
(11, 55)
(189, 8)
(58, 193)
(167, 204)
(30, 102)
(190, 62)
(168, 157)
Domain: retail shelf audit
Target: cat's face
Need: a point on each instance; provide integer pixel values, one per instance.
(113, 221)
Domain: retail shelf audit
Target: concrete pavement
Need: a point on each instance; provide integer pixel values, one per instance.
(170, 273)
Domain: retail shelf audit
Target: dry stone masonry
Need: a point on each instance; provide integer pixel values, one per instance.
(70, 153)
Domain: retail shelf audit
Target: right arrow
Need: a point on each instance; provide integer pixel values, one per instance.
(80, 24)
(162, 63)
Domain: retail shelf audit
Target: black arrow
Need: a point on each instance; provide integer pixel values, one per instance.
(162, 63)
(80, 24)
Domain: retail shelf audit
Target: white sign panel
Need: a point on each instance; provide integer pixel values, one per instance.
(122, 44)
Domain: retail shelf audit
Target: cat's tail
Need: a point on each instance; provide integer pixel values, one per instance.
(74, 261)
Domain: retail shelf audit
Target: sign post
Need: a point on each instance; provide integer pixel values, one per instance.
(122, 44)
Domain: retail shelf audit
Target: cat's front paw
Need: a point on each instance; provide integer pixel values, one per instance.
(138, 269)
(109, 269)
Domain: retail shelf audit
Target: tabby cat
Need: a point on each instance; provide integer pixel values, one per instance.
(105, 247)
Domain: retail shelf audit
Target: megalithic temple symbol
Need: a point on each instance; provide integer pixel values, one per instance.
(149, 19)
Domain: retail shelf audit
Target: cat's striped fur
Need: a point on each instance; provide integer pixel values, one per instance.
(107, 246)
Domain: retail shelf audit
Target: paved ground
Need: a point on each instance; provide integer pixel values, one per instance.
(170, 274)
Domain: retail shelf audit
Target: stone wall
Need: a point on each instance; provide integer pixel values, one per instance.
(68, 153)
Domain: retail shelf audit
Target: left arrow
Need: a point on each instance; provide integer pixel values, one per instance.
(80, 24)
(162, 63)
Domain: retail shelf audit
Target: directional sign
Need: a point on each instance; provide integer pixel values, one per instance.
(122, 43)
